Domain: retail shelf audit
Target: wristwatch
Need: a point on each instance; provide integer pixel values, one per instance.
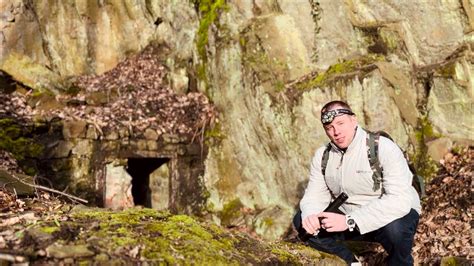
(350, 223)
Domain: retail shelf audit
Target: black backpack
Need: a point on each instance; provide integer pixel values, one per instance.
(372, 153)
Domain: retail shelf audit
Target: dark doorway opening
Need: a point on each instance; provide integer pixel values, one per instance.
(140, 170)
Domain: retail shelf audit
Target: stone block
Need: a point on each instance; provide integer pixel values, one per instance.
(112, 135)
(170, 148)
(152, 145)
(62, 150)
(74, 129)
(125, 142)
(83, 147)
(181, 150)
(159, 186)
(110, 146)
(193, 149)
(142, 145)
(123, 133)
(92, 132)
(61, 165)
(168, 138)
(118, 187)
(150, 134)
(69, 251)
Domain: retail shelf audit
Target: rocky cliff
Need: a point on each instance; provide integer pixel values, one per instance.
(268, 66)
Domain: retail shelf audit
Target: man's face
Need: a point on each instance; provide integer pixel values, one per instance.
(341, 130)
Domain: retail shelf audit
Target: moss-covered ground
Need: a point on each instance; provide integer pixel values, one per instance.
(140, 235)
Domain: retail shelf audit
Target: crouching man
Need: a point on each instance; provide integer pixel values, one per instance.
(381, 208)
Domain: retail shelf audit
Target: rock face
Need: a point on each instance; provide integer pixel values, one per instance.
(268, 66)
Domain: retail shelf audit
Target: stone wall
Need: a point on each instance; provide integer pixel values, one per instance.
(96, 166)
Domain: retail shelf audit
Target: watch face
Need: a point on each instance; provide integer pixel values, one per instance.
(350, 222)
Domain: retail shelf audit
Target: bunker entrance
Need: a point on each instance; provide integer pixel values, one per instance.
(150, 181)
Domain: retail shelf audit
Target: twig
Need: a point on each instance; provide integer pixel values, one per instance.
(48, 189)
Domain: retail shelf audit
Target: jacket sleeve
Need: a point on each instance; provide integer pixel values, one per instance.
(316, 196)
(396, 201)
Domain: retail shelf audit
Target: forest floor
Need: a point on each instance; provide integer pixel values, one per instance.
(48, 229)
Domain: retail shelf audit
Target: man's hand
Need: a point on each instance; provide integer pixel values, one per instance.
(311, 224)
(332, 222)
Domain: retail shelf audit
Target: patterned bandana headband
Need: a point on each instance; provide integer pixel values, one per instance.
(328, 116)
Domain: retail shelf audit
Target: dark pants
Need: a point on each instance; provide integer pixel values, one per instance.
(396, 238)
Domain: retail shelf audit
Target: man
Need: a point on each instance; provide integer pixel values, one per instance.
(387, 213)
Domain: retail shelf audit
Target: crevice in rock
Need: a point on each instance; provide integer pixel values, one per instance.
(316, 11)
(7, 83)
(158, 21)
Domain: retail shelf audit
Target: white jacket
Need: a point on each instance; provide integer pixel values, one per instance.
(350, 172)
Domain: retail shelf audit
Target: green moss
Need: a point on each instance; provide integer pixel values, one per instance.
(340, 68)
(284, 256)
(390, 38)
(450, 261)
(130, 216)
(123, 241)
(196, 242)
(279, 86)
(209, 11)
(49, 229)
(31, 171)
(447, 71)
(201, 72)
(13, 138)
(41, 92)
(424, 164)
(162, 238)
(84, 263)
(296, 254)
(214, 135)
(214, 132)
(457, 149)
(175, 239)
(231, 211)
(242, 41)
(268, 221)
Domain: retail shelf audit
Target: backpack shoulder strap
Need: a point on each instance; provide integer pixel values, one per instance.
(324, 163)
(324, 160)
(372, 153)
